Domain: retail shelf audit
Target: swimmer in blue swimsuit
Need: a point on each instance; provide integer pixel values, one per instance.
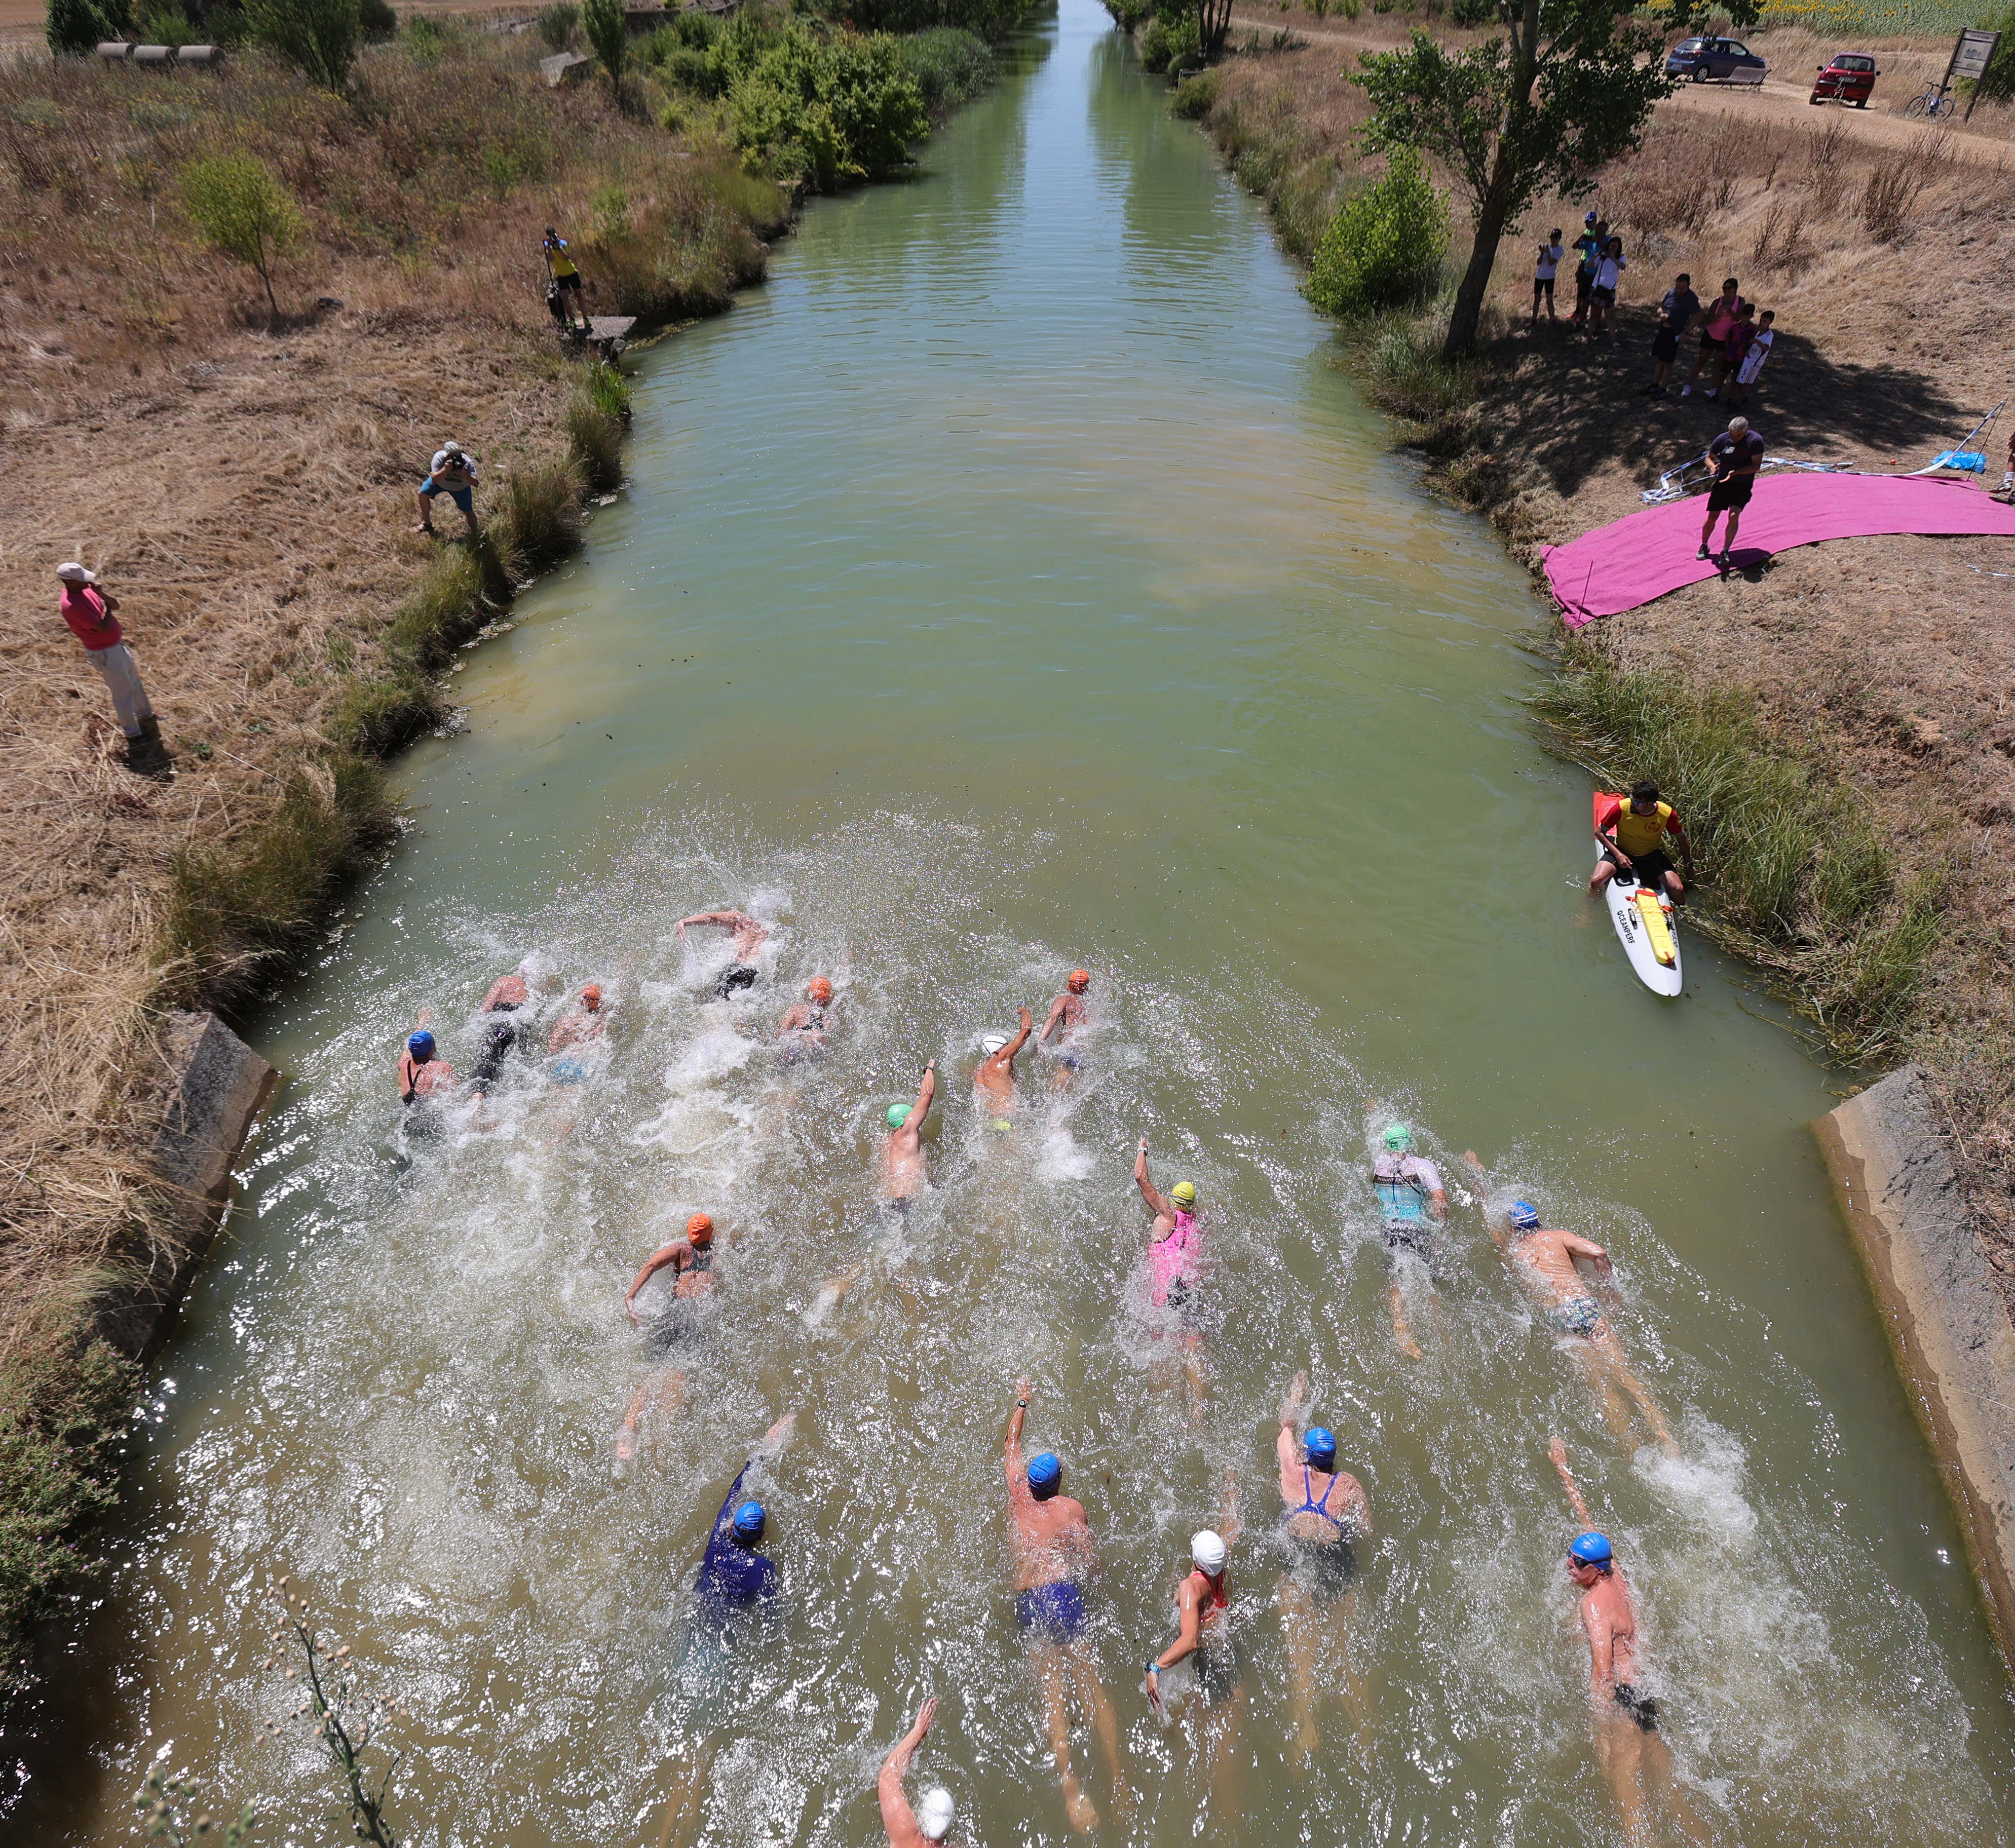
(578, 1028)
(1326, 1510)
(1053, 1552)
(1413, 1200)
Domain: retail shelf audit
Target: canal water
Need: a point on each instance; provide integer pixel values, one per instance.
(1015, 584)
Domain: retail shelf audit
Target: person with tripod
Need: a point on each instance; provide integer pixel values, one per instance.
(563, 279)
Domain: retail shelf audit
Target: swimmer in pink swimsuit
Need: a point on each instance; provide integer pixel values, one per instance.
(1172, 1266)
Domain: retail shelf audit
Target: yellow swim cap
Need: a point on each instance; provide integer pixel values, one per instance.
(1003, 1124)
(1184, 1193)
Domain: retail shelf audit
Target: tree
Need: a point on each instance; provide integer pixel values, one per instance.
(1569, 86)
(319, 36)
(1997, 82)
(76, 27)
(608, 32)
(244, 211)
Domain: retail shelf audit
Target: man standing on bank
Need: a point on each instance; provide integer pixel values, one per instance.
(93, 619)
(1736, 455)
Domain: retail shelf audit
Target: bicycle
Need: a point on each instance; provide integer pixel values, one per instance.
(1934, 103)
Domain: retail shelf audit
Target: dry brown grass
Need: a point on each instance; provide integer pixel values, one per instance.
(248, 498)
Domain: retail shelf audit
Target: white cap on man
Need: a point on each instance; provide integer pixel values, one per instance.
(1207, 1549)
(71, 573)
(934, 1813)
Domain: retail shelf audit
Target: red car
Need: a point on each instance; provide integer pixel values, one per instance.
(1849, 78)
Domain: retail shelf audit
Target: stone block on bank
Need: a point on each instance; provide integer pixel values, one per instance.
(212, 1088)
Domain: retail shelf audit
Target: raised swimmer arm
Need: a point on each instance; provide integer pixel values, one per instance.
(898, 1819)
(921, 1108)
(1558, 1452)
(726, 920)
(1159, 1203)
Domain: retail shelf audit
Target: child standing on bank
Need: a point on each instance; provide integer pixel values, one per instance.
(1550, 253)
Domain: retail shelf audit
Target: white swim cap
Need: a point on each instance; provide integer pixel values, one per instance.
(992, 1042)
(1207, 1550)
(526, 969)
(934, 1813)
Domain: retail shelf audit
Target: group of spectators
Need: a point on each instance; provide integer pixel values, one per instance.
(1735, 338)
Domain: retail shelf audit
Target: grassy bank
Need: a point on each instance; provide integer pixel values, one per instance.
(253, 513)
(1798, 877)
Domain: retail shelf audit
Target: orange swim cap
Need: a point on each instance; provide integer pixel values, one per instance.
(820, 990)
(592, 995)
(1080, 980)
(700, 1228)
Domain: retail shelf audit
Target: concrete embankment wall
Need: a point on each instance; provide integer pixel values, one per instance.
(215, 1086)
(1955, 1346)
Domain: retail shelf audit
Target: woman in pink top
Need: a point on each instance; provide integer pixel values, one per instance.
(1716, 319)
(1172, 1267)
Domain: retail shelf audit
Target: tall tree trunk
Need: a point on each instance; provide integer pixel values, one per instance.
(1494, 209)
(1490, 219)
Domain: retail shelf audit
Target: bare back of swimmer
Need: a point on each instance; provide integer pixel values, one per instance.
(903, 1173)
(994, 1081)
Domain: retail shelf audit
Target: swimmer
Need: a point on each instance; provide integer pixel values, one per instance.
(1201, 1599)
(1545, 1261)
(420, 1074)
(663, 1390)
(508, 993)
(749, 935)
(733, 1573)
(1172, 1283)
(902, 1171)
(993, 1083)
(1053, 1551)
(1413, 1200)
(580, 1024)
(931, 1819)
(801, 1033)
(1626, 1721)
(1068, 1012)
(1327, 1512)
(690, 1260)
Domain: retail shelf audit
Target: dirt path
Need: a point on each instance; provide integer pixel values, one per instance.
(1781, 100)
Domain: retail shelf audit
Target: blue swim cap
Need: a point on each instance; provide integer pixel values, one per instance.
(1045, 1473)
(1523, 1215)
(421, 1045)
(1593, 1549)
(1319, 1445)
(748, 1520)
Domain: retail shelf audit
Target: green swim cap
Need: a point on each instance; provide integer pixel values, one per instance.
(899, 1115)
(1398, 1136)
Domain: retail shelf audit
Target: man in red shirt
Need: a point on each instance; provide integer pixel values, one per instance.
(93, 620)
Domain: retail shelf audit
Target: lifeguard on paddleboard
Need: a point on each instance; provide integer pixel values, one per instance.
(1637, 879)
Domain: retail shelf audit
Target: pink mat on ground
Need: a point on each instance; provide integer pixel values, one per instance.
(1644, 555)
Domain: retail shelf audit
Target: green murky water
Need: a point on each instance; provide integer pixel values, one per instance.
(1014, 583)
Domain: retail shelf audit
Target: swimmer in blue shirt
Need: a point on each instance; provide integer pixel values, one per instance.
(733, 1574)
(1053, 1550)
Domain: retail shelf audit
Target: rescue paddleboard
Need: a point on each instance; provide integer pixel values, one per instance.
(1645, 922)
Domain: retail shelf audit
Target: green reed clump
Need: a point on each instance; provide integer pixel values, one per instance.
(539, 522)
(235, 909)
(948, 65)
(1196, 96)
(61, 1412)
(1797, 876)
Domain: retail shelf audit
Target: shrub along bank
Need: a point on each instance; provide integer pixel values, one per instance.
(254, 516)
